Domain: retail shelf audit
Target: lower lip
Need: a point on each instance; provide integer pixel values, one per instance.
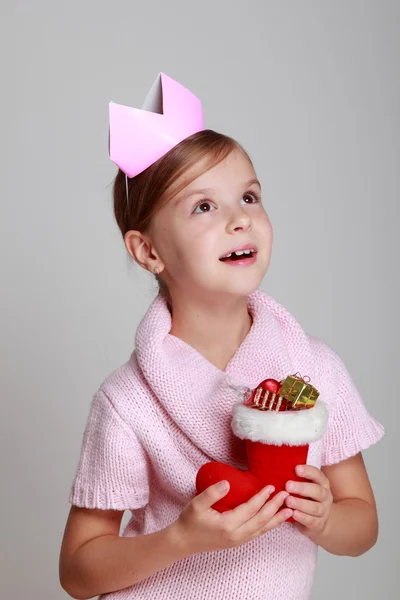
(246, 262)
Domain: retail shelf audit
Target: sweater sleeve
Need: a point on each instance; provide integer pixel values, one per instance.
(351, 428)
(112, 469)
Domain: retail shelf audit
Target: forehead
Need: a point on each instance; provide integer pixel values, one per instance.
(235, 166)
(234, 170)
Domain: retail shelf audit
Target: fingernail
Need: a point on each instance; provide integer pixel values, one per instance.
(300, 469)
(269, 489)
(288, 514)
(290, 486)
(223, 486)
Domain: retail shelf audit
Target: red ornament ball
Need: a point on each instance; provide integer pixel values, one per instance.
(271, 385)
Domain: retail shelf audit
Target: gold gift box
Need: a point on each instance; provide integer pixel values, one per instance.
(300, 393)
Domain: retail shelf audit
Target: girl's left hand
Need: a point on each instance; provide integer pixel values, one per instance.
(311, 513)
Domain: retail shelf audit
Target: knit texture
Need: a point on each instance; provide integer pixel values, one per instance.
(155, 420)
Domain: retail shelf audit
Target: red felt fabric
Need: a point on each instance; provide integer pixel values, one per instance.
(243, 485)
(267, 464)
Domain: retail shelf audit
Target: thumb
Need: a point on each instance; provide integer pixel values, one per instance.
(211, 495)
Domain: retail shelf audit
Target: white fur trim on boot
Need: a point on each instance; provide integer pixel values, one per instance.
(293, 428)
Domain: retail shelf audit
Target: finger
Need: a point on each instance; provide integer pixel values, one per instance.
(264, 515)
(307, 520)
(315, 509)
(312, 473)
(280, 517)
(212, 494)
(246, 510)
(308, 490)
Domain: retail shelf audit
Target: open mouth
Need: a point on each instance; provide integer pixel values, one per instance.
(239, 255)
(240, 258)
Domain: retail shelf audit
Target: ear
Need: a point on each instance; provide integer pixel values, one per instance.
(141, 249)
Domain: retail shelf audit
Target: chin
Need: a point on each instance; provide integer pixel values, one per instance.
(243, 287)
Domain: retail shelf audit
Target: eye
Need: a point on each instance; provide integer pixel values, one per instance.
(255, 197)
(200, 204)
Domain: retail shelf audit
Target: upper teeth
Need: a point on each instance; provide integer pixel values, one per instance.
(239, 253)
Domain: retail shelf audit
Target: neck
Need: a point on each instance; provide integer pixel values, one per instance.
(215, 329)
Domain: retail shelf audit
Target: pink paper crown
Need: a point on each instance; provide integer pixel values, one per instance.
(139, 137)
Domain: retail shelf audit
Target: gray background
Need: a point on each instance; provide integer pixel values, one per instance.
(311, 89)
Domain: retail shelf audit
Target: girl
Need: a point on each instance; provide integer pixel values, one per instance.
(193, 216)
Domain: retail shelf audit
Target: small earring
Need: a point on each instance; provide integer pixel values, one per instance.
(156, 271)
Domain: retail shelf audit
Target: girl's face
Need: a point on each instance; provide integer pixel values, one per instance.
(219, 211)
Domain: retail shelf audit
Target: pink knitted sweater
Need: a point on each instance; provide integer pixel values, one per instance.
(155, 420)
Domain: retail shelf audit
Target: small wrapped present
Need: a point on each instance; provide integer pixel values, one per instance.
(266, 396)
(298, 392)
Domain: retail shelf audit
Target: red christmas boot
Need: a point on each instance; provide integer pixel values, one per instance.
(278, 421)
(278, 440)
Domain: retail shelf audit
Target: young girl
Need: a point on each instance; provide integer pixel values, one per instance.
(189, 208)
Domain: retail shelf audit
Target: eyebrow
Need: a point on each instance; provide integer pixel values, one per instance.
(211, 190)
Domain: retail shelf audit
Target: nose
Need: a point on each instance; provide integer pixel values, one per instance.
(240, 220)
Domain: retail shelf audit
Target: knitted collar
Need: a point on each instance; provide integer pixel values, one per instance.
(199, 396)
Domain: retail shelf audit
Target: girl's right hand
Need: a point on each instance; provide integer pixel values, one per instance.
(200, 528)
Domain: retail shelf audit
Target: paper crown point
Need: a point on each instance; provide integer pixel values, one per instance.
(138, 137)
